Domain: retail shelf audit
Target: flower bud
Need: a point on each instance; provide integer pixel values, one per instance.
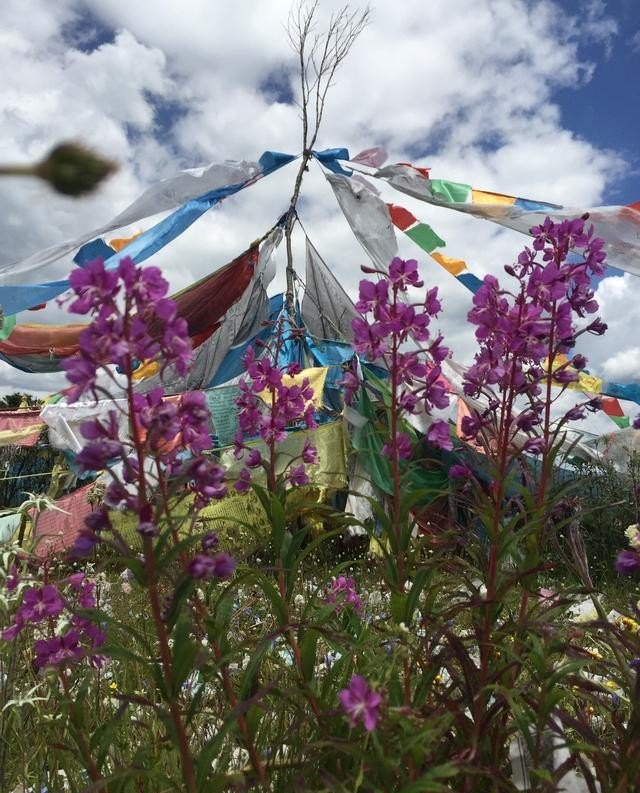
(73, 170)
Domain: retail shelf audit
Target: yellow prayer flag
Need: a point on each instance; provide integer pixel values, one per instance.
(483, 197)
(316, 376)
(453, 266)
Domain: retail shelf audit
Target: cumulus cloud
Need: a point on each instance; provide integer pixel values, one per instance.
(179, 85)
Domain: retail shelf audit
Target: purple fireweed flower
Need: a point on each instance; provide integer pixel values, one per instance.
(254, 458)
(438, 434)
(432, 304)
(297, 476)
(94, 286)
(92, 634)
(373, 294)
(243, 483)
(593, 405)
(369, 340)
(309, 453)
(575, 413)
(435, 393)
(41, 603)
(157, 416)
(147, 528)
(471, 425)
(206, 480)
(402, 445)
(96, 455)
(221, 565)
(597, 327)
(84, 544)
(210, 542)
(437, 350)
(404, 273)
(309, 419)
(410, 366)
(81, 373)
(566, 376)
(84, 589)
(13, 579)
(408, 401)
(389, 322)
(535, 446)
(267, 406)
(60, 651)
(264, 375)
(579, 362)
(351, 383)
(343, 592)
(527, 421)
(628, 562)
(360, 703)
(10, 633)
(117, 495)
(461, 471)
(96, 430)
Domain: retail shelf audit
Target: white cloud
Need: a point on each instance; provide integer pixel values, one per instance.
(615, 356)
(623, 365)
(471, 95)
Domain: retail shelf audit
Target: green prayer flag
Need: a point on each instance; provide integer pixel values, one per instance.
(7, 324)
(451, 192)
(425, 237)
(622, 421)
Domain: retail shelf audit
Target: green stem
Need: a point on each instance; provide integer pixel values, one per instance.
(395, 460)
(81, 738)
(256, 762)
(188, 771)
(17, 170)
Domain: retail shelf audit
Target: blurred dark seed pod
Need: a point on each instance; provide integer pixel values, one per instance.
(74, 170)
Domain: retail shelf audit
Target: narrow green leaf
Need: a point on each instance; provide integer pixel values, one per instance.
(308, 651)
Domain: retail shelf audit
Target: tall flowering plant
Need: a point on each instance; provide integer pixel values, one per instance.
(397, 332)
(267, 405)
(527, 332)
(156, 462)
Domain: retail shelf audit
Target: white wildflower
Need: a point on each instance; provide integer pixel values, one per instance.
(632, 534)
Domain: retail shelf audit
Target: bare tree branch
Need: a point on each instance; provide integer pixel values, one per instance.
(320, 54)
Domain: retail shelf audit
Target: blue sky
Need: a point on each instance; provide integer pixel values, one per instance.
(605, 109)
